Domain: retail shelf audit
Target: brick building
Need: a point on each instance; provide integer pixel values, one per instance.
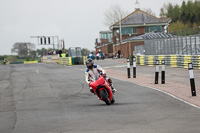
(105, 44)
(134, 25)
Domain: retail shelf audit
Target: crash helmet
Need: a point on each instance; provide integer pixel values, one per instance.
(89, 63)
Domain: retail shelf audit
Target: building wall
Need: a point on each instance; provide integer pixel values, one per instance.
(104, 41)
(106, 49)
(140, 31)
(127, 48)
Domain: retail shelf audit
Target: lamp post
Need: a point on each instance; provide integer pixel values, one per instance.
(120, 28)
(119, 34)
(118, 39)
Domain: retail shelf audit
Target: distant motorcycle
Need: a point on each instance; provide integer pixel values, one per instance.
(91, 56)
(98, 57)
(103, 90)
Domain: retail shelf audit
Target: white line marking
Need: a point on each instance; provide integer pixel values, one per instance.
(115, 66)
(37, 71)
(164, 93)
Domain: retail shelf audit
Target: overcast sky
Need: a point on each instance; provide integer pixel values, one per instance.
(78, 22)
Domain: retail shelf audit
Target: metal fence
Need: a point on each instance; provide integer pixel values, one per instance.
(180, 45)
(139, 49)
(162, 44)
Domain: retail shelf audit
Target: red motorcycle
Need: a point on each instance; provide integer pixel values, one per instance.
(103, 90)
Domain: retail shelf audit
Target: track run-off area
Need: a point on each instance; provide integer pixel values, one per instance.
(51, 98)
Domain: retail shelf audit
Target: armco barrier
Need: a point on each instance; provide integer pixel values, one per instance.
(199, 62)
(30, 62)
(138, 60)
(141, 60)
(180, 61)
(84, 59)
(170, 60)
(173, 60)
(187, 59)
(145, 60)
(151, 60)
(160, 58)
(195, 60)
(167, 60)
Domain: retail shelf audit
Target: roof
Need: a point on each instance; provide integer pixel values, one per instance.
(139, 17)
(149, 36)
(156, 35)
(106, 31)
(133, 38)
(166, 19)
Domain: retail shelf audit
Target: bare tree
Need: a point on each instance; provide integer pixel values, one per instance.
(149, 11)
(114, 14)
(163, 10)
(23, 49)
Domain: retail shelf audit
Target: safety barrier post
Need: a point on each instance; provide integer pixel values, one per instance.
(173, 60)
(160, 58)
(128, 68)
(150, 60)
(198, 62)
(138, 59)
(142, 60)
(187, 59)
(134, 67)
(192, 83)
(163, 72)
(157, 72)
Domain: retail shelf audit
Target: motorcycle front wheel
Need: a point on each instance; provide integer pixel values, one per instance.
(104, 96)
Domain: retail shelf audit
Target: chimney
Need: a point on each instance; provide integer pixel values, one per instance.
(96, 42)
(137, 5)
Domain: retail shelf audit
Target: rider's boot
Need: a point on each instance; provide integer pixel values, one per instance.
(91, 90)
(113, 89)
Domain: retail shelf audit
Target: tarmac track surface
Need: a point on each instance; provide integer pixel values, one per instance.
(50, 98)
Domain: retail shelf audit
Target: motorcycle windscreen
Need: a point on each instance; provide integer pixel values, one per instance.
(100, 81)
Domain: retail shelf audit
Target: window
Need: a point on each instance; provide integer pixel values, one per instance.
(123, 31)
(134, 29)
(104, 36)
(110, 37)
(147, 29)
(152, 28)
(107, 35)
(157, 28)
(129, 30)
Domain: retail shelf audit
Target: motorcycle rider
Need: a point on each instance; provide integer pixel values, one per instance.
(93, 72)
